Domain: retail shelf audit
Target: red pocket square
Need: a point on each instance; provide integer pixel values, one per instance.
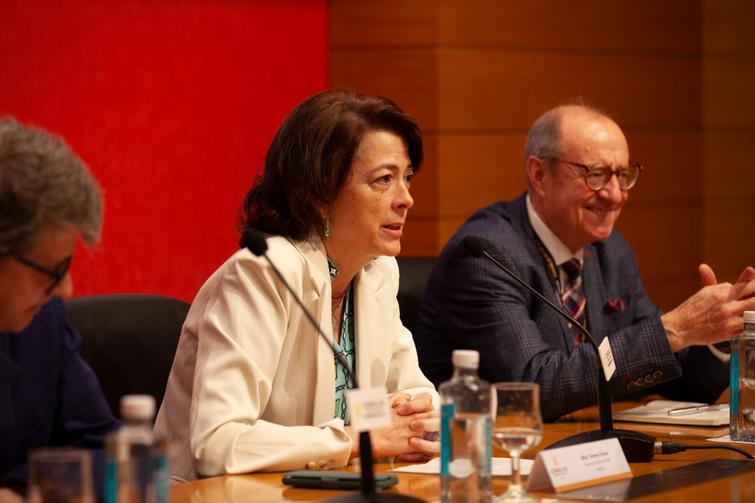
(614, 305)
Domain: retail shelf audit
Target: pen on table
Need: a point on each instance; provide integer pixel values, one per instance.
(690, 410)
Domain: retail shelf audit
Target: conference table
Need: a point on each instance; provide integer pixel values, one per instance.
(268, 487)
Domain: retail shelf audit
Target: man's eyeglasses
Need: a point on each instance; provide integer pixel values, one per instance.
(597, 177)
(56, 274)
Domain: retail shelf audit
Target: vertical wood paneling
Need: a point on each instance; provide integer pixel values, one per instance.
(728, 122)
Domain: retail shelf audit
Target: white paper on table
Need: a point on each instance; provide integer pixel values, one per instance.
(726, 439)
(499, 466)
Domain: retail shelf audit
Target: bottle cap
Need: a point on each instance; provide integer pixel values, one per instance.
(138, 407)
(466, 358)
(749, 317)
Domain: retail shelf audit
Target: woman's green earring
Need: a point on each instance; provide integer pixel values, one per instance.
(327, 227)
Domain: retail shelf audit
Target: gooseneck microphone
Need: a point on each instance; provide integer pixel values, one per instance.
(255, 242)
(637, 447)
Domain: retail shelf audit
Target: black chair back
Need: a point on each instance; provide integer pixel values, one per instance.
(414, 272)
(129, 340)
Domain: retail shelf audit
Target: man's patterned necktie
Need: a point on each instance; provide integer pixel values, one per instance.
(573, 297)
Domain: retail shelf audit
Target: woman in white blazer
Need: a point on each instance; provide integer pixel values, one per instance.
(252, 386)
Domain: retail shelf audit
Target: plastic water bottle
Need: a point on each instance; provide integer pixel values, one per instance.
(742, 383)
(465, 433)
(137, 459)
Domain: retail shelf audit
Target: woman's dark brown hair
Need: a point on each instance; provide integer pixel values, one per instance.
(310, 159)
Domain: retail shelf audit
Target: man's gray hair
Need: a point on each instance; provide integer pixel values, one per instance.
(42, 181)
(544, 137)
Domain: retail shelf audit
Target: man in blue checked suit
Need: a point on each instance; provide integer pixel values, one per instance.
(559, 238)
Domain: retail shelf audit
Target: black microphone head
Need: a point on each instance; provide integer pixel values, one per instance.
(475, 245)
(254, 241)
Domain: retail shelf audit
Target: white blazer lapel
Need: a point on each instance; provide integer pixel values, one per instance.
(373, 326)
(325, 392)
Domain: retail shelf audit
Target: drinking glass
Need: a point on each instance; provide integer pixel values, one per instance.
(518, 427)
(60, 475)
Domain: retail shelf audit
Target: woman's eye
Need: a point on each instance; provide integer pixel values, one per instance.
(384, 179)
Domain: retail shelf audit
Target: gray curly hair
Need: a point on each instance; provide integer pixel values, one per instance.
(42, 181)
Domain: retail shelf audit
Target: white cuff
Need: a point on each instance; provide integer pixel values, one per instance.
(724, 357)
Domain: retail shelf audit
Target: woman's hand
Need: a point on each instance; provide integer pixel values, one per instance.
(414, 434)
(426, 441)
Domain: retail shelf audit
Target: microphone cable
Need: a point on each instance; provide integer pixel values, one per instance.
(664, 447)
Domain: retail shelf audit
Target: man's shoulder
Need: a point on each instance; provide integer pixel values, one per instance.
(501, 214)
(504, 224)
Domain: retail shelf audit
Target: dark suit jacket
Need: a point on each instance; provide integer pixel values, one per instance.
(48, 395)
(471, 304)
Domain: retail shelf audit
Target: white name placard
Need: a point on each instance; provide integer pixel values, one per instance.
(369, 409)
(577, 466)
(606, 358)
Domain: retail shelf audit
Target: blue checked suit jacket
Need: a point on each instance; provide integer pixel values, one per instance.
(471, 304)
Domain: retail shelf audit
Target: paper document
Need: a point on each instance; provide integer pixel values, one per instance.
(671, 412)
(500, 467)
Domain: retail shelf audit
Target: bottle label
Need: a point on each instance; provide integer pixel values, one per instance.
(734, 383)
(111, 480)
(447, 412)
(161, 481)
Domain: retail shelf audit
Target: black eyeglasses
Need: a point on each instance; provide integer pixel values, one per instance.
(56, 274)
(596, 177)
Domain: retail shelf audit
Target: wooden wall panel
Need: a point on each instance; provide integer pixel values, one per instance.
(729, 98)
(728, 26)
(730, 245)
(728, 124)
(424, 185)
(396, 23)
(729, 159)
(481, 90)
(476, 170)
(419, 239)
(667, 237)
(571, 26)
(671, 167)
(407, 77)
(577, 25)
(666, 240)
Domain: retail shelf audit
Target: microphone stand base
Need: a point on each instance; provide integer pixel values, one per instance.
(373, 498)
(637, 447)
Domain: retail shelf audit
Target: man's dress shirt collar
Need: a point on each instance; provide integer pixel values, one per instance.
(558, 250)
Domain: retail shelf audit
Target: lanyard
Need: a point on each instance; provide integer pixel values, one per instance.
(553, 270)
(550, 264)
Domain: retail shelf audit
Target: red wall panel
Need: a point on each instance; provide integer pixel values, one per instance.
(172, 104)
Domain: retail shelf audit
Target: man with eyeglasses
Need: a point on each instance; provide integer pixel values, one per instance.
(48, 395)
(559, 237)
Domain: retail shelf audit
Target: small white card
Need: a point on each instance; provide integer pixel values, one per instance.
(369, 409)
(578, 466)
(500, 467)
(606, 358)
